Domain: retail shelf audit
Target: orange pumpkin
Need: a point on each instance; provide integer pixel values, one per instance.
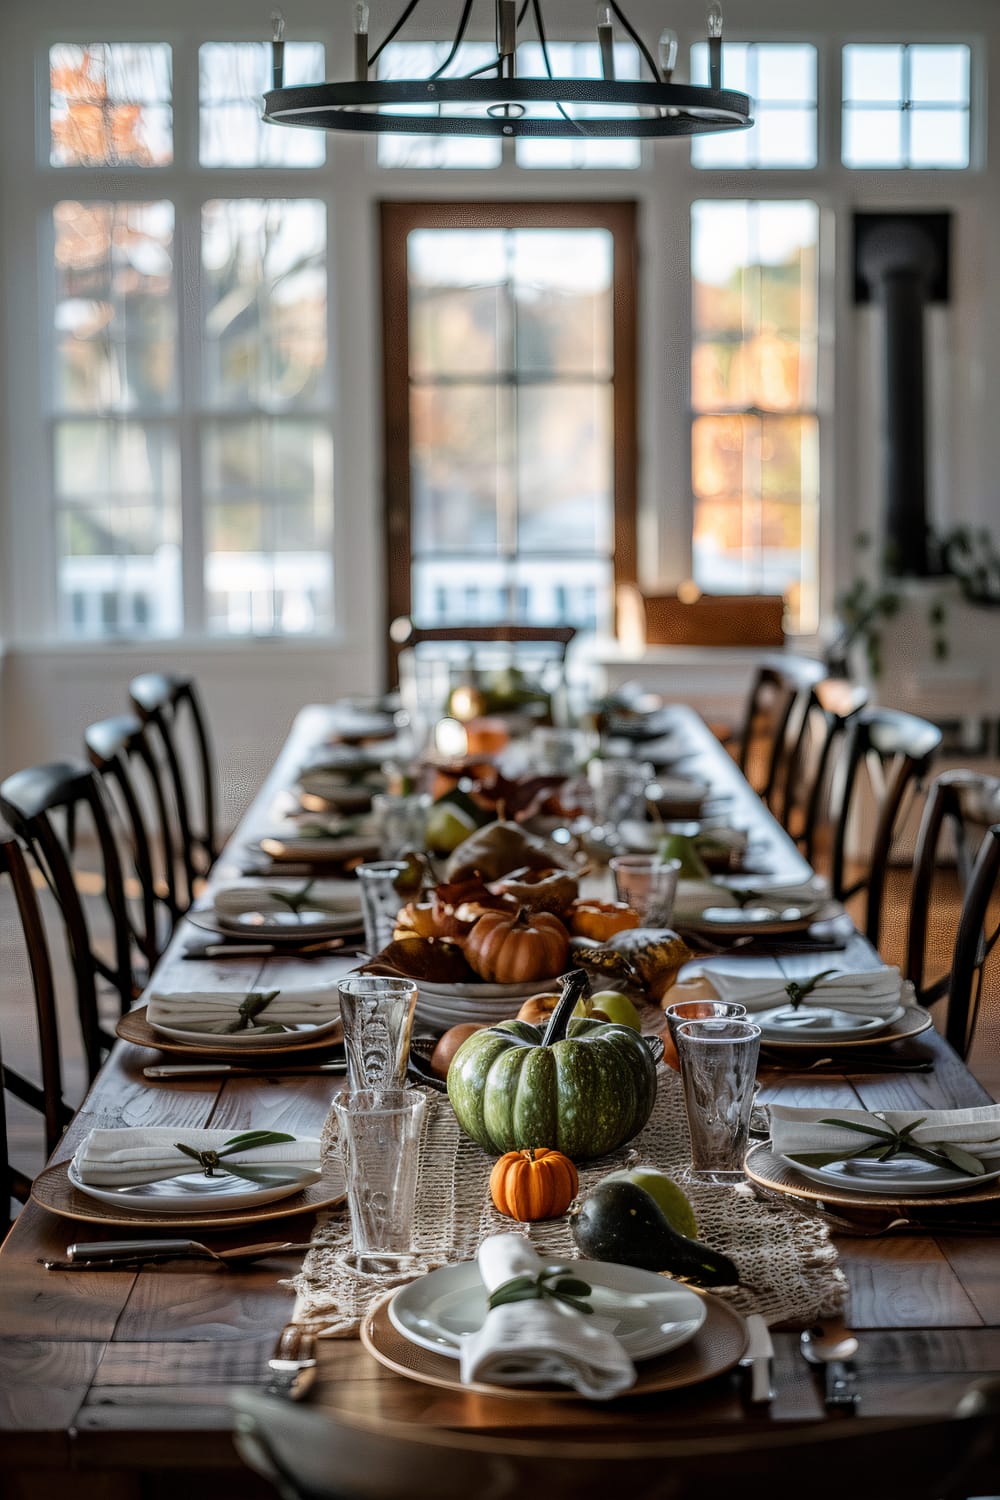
(505, 949)
(432, 918)
(534, 1184)
(601, 919)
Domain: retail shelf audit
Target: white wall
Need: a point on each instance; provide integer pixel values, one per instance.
(49, 689)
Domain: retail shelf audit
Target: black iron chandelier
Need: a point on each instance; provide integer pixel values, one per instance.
(493, 101)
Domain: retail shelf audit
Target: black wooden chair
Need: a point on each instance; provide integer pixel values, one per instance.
(119, 751)
(170, 709)
(313, 1454)
(45, 1095)
(775, 709)
(34, 802)
(975, 941)
(831, 706)
(961, 805)
(897, 750)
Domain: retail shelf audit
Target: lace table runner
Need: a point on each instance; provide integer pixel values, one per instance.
(788, 1267)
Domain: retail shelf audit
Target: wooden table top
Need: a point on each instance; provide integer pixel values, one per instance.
(117, 1373)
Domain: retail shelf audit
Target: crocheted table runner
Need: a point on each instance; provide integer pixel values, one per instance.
(788, 1267)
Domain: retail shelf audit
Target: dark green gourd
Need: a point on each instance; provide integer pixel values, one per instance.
(619, 1222)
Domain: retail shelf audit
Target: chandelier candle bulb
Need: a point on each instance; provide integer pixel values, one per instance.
(715, 46)
(668, 53)
(277, 49)
(507, 32)
(360, 42)
(606, 41)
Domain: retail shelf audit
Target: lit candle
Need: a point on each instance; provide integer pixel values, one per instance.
(715, 46)
(668, 53)
(360, 42)
(277, 49)
(606, 41)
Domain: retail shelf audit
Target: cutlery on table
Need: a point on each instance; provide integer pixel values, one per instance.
(293, 1364)
(870, 1063)
(319, 949)
(757, 1360)
(227, 1070)
(105, 1255)
(831, 1347)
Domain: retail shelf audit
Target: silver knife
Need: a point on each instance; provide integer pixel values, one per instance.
(293, 1364)
(223, 1070)
(757, 1360)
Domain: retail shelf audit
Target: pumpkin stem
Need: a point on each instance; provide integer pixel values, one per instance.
(574, 987)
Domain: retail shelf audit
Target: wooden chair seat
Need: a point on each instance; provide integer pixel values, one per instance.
(320, 1455)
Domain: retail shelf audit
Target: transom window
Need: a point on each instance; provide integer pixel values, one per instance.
(780, 78)
(906, 106)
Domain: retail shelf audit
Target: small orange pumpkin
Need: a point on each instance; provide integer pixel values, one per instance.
(505, 949)
(533, 1184)
(601, 919)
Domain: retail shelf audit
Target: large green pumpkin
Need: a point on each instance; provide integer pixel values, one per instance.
(582, 1087)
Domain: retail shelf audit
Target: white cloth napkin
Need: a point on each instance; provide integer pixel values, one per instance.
(213, 1010)
(528, 1343)
(693, 896)
(875, 992)
(338, 897)
(797, 1131)
(129, 1158)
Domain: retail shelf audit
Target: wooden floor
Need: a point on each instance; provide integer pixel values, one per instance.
(18, 1034)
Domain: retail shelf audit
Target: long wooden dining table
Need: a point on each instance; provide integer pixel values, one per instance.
(117, 1380)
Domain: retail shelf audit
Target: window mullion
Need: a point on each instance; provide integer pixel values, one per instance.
(189, 323)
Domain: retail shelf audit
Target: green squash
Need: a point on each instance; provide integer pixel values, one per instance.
(582, 1087)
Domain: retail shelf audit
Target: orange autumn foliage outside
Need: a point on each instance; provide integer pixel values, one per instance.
(96, 130)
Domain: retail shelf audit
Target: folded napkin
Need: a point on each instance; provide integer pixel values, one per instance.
(129, 1158)
(796, 1132)
(875, 992)
(223, 1011)
(542, 1340)
(338, 897)
(693, 896)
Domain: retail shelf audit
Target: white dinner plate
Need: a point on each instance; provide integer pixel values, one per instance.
(649, 1314)
(909, 1176)
(253, 1036)
(300, 848)
(305, 926)
(750, 921)
(819, 1023)
(195, 1190)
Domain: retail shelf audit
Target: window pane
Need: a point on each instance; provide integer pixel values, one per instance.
(233, 77)
(110, 104)
(457, 468)
(458, 322)
(264, 264)
(939, 138)
(562, 295)
(411, 60)
(564, 468)
(939, 74)
(781, 80)
(873, 73)
(873, 138)
(268, 488)
(117, 500)
(115, 312)
(577, 60)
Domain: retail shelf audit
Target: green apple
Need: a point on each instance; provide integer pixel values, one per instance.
(447, 827)
(680, 846)
(665, 1193)
(617, 1007)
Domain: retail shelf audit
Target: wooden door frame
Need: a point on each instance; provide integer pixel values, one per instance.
(397, 220)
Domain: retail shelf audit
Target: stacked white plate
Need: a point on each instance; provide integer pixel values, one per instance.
(440, 1006)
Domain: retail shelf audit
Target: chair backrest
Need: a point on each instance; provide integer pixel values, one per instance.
(898, 750)
(45, 1096)
(313, 1454)
(974, 944)
(830, 707)
(32, 801)
(118, 748)
(170, 708)
(961, 805)
(776, 705)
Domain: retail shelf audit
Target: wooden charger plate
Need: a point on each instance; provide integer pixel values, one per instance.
(718, 1346)
(775, 1175)
(135, 1028)
(54, 1191)
(911, 1023)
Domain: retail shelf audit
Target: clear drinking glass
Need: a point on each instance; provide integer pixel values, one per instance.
(618, 788)
(698, 1010)
(401, 822)
(718, 1067)
(380, 900)
(379, 1141)
(648, 884)
(376, 1012)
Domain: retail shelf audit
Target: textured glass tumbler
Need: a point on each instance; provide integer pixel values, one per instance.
(380, 901)
(401, 822)
(376, 1012)
(698, 1010)
(379, 1141)
(718, 1068)
(618, 788)
(648, 885)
